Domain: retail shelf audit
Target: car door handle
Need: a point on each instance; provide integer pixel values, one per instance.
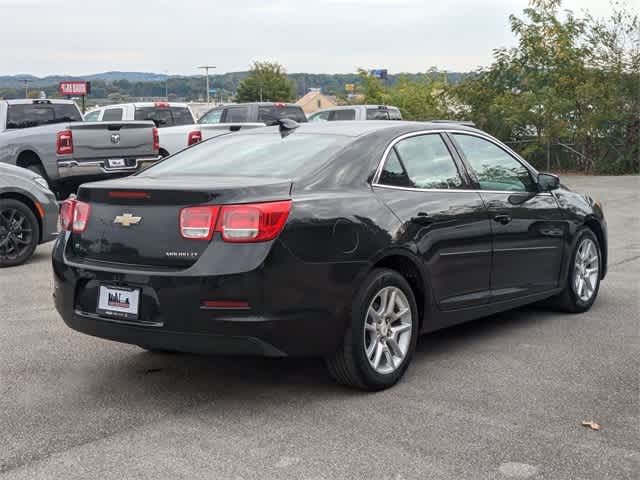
(503, 219)
(422, 218)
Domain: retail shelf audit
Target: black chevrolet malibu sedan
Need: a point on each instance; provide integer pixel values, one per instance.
(344, 240)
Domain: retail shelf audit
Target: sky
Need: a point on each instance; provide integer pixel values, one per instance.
(44, 37)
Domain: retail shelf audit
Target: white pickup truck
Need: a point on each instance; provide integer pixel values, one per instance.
(176, 124)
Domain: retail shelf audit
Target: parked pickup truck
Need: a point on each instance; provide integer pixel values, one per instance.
(177, 128)
(50, 138)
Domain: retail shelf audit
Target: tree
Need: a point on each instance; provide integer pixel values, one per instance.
(423, 97)
(266, 82)
(570, 82)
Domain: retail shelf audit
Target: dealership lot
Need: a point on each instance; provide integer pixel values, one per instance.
(501, 397)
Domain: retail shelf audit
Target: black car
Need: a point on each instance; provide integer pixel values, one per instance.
(341, 239)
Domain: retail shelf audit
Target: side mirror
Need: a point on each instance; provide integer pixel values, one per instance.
(548, 182)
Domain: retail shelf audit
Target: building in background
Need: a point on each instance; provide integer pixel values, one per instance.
(315, 100)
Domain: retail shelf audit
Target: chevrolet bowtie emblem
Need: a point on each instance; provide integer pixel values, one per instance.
(127, 219)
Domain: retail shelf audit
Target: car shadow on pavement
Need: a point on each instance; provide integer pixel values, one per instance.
(203, 378)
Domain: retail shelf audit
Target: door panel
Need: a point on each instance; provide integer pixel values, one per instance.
(527, 249)
(527, 228)
(453, 239)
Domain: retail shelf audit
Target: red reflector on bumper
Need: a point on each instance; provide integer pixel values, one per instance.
(225, 304)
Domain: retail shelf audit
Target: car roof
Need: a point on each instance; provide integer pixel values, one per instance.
(260, 104)
(350, 128)
(351, 107)
(26, 101)
(145, 104)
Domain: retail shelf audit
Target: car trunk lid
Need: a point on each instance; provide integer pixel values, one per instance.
(136, 220)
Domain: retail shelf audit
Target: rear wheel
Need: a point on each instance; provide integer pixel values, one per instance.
(381, 335)
(583, 281)
(19, 232)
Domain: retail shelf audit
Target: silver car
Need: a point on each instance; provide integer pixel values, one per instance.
(28, 214)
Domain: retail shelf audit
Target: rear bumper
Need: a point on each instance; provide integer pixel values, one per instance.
(98, 168)
(164, 339)
(286, 318)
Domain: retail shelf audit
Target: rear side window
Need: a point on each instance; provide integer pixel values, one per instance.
(236, 115)
(394, 114)
(266, 155)
(165, 116)
(25, 115)
(271, 114)
(377, 114)
(348, 114)
(112, 114)
(423, 161)
(212, 116)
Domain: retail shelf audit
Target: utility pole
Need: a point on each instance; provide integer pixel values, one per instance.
(206, 72)
(26, 87)
(166, 85)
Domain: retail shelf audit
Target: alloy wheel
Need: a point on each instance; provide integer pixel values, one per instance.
(387, 330)
(586, 270)
(16, 234)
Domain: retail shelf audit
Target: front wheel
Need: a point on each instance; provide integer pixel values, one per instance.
(19, 233)
(381, 336)
(583, 281)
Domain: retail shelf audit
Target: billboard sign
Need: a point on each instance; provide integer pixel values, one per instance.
(380, 73)
(75, 88)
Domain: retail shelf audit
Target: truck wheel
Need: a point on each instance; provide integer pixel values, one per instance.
(19, 232)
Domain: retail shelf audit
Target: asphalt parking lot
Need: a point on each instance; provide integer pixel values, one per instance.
(499, 398)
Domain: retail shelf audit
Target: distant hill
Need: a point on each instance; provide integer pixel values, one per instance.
(125, 86)
(15, 81)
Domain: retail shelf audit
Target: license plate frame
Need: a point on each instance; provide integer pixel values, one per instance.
(118, 302)
(116, 163)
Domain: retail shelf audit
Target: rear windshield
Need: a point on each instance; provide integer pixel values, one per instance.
(271, 114)
(165, 116)
(25, 115)
(250, 155)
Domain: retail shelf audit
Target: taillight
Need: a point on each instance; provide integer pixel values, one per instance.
(66, 214)
(197, 223)
(257, 222)
(64, 142)
(74, 215)
(156, 139)
(245, 223)
(194, 137)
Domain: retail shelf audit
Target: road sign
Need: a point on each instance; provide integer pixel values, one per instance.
(350, 87)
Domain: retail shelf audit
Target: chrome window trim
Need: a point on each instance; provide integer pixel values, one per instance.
(457, 190)
(497, 143)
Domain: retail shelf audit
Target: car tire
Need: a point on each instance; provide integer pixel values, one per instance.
(372, 328)
(573, 298)
(19, 232)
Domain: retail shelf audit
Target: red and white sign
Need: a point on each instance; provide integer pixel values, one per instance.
(74, 88)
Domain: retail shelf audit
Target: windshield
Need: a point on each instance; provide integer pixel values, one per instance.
(26, 115)
(250, 155)
(165, 116)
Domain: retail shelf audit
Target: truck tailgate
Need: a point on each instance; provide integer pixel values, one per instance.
(95, 140)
